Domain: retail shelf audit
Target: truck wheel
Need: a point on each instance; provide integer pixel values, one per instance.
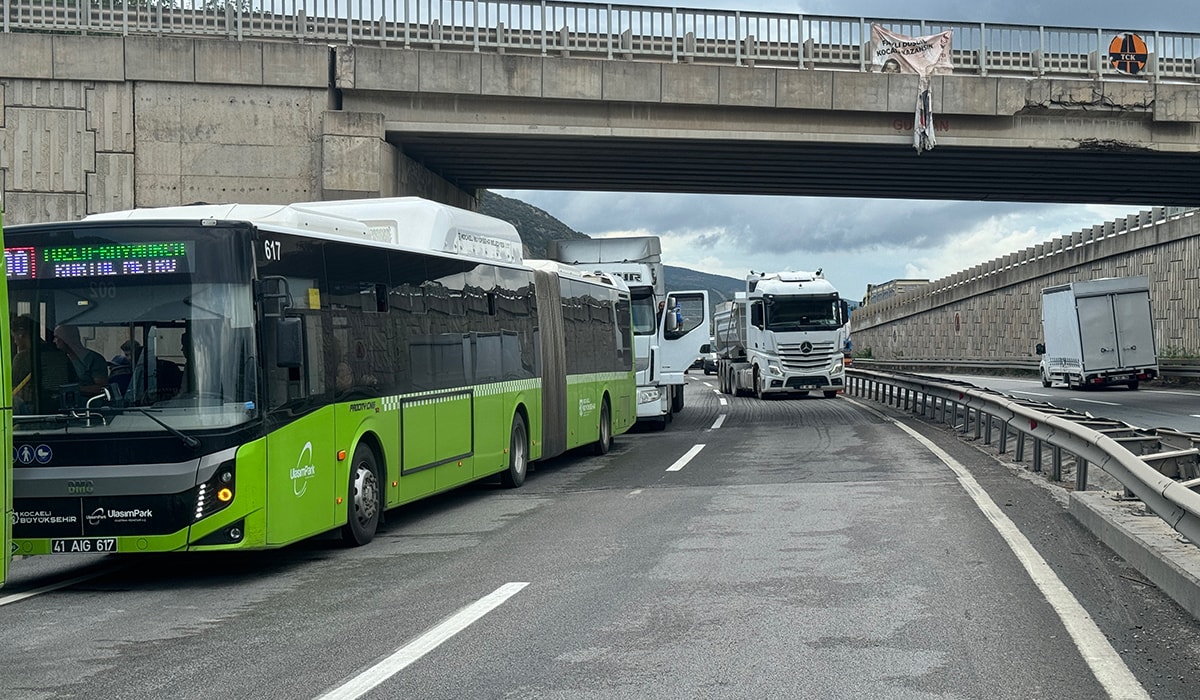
(677, 399)
(1133, 385)
(830, 394)
(1046, 381)
(758, 386)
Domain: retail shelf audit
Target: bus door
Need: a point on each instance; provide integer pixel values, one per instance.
(301, 463)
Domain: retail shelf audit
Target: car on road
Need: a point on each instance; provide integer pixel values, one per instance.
(708, 359)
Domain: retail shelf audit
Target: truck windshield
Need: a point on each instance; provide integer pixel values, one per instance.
(793, 313)
(126, 321)
(645, 311)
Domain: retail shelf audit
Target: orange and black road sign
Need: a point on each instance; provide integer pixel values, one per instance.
(1127, 53)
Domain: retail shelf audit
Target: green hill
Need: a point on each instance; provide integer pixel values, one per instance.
(538, 228)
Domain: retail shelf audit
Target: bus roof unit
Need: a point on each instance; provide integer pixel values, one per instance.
(404, 222)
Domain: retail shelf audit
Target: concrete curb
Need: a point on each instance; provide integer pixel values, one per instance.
(1145, 541)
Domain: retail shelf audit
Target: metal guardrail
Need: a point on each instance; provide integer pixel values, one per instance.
(627, 32)
(1167, 369)
(1157, 466)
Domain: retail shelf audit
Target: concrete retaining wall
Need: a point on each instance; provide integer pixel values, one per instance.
(993, 310)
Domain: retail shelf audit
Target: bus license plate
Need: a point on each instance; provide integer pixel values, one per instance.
(83, 546)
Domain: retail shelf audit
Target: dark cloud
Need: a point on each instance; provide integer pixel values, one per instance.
(776, 224)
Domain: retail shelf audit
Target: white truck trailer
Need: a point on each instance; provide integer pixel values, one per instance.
(668, 328)
(1097, 333)
(784, 335)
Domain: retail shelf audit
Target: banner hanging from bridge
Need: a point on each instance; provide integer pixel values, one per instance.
(925, 56)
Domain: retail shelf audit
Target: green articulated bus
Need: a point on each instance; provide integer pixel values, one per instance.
(6, 505)
(222, 377)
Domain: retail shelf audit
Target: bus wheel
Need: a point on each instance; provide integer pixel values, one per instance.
(518, 455)
(604, 444)
(362, 500)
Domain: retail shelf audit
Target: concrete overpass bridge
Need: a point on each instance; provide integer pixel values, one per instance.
(110, 106)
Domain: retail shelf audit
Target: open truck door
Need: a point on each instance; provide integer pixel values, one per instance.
(684, 323)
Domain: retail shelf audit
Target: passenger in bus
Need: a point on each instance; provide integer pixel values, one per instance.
(186, 378)
(22, 363)
(120, 372)
(168, 379)
(344, 378)
(87, 368)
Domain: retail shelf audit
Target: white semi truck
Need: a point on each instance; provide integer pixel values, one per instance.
(668, 328)
(784, 335)
(1097, 333)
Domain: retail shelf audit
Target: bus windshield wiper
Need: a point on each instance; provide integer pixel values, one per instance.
(184, 437)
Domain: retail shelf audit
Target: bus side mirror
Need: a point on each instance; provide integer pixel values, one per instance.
(1039, 349)
(289, 342)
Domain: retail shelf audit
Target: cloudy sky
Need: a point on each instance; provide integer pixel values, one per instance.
(860, 241)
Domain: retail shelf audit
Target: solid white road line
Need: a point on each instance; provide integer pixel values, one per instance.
(1106, 403)
(414, 650)
(1106, 664)
(687, 457)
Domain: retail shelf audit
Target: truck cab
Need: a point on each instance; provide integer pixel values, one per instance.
(785, 335)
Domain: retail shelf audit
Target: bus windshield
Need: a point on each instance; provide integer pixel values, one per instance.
(645, 313)
(130, 328)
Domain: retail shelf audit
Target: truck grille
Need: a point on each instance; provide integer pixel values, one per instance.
(819, 355)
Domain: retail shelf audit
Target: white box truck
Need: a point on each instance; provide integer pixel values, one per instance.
(1097, 333)
(668, 328)
(784, 335)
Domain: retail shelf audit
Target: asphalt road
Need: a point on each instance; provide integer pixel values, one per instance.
(1154, 405)
(776, 549)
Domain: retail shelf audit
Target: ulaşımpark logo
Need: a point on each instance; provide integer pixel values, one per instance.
(303, 471)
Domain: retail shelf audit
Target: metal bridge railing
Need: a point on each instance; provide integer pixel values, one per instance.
(607, 31)
(1160, 467)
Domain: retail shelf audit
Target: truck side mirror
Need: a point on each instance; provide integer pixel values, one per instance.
(1039, 349)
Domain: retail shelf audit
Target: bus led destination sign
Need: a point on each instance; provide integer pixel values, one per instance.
(103, 260)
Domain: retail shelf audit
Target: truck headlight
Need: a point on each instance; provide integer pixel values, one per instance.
(774, 370)
(648, 395)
